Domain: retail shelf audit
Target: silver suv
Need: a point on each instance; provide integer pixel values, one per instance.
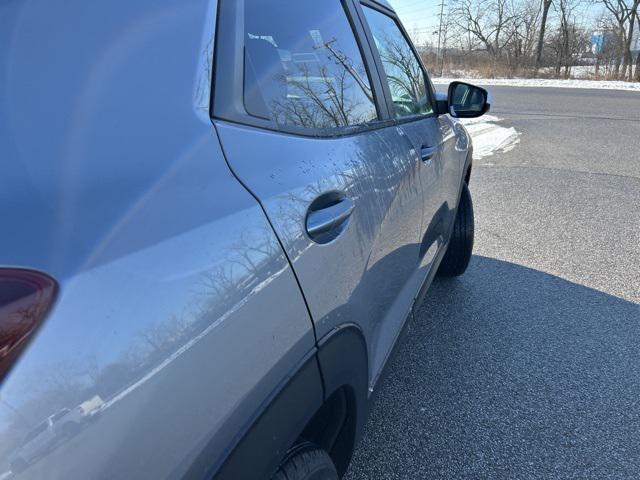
(218, 218)
(46, 436)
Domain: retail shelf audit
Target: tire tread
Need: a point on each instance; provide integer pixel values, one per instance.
(304, 460)
(456, 260)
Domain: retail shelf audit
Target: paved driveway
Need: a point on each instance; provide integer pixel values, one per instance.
(528, 366)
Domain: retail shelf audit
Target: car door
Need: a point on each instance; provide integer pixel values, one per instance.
(48, 437)
(411, 103)
(304, 126)
(31, 444)
(40, 441)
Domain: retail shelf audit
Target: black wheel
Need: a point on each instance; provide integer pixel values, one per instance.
(306, 462)
(18, 465)
(458, 254)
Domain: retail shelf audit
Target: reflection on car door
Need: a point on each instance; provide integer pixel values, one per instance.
(347, 206)
(409, 99)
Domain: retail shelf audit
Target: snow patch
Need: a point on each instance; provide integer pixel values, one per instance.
(541, 82)
(483, 119)
(489, 137)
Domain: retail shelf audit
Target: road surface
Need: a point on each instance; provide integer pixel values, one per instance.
(528, 366)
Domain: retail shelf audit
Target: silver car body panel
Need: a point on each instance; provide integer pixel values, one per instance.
(179, 315)
(114, 182)
(370, 274)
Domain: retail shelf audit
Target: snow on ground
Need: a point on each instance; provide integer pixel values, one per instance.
(581, 71)
(540, 82)
(489, 137)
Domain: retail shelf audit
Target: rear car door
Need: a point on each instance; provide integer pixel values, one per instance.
(411, 103)
(305, 127)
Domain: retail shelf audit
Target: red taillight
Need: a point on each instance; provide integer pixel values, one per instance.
(25, 298)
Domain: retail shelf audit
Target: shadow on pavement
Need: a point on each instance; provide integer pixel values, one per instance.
(509, 372)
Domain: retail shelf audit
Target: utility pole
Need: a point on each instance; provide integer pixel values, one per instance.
(440, 37)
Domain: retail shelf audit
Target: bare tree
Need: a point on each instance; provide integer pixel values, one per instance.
(637, 76)
(524, 27)
(546, 5)
(608, 48)
(532, 24)
(487, 22)
(632, 14)
(569, 39)
(509, 37)
(624, 12)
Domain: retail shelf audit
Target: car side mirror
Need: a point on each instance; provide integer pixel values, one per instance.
(467, 101)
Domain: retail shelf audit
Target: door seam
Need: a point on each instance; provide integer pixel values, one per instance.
(264, 211)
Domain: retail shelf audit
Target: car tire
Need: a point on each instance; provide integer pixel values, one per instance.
(18, 466)
(306, 462)
(458, 255)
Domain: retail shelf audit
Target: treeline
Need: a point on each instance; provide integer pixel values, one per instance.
(539, 38)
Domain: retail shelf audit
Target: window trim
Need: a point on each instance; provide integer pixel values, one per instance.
(380, 67)
(227, 98)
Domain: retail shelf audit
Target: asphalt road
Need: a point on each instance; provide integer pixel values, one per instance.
(528, 366)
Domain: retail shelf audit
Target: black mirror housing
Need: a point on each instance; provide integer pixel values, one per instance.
(442, 103)
(466, 101)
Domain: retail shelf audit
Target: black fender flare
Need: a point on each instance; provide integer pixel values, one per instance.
(277, 425)
(344, 364)
(340, 364)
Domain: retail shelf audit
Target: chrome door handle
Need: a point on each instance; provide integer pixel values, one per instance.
(326, 223)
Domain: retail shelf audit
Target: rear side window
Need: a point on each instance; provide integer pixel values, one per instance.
(405, 76)
(59, 415)
(35, 432)
(303, 67)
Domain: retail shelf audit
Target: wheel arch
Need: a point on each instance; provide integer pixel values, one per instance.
(337, 426)
(325, 402)
(275, 428)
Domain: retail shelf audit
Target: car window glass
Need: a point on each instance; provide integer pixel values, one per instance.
(303, 66)
(404, 74)
(35, 432)
(59, 415)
